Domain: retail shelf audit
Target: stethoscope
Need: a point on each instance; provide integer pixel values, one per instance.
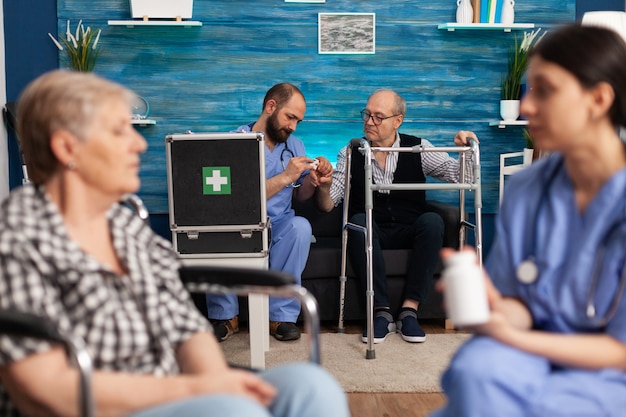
(527, 271)
(290, 155)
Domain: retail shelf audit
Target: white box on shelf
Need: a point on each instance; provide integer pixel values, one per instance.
(161, 9)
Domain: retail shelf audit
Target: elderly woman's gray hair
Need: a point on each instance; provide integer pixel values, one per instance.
(60, 100)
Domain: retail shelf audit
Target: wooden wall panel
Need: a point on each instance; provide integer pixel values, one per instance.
(212, 78)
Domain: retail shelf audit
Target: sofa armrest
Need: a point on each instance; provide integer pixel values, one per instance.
(451, 216)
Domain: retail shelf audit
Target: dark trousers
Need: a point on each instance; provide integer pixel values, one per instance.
(424, 237)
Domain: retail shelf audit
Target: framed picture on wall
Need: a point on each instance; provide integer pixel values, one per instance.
(346, 33)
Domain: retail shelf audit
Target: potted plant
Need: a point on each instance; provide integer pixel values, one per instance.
(512, 81)
(529, 148)
(81, 49)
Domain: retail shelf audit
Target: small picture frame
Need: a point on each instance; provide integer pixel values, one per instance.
(346, 33)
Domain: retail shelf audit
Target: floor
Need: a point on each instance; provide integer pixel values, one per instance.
(394, 404)
(390, 404)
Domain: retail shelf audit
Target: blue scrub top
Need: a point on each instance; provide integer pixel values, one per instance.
(539, 218)
(279, 205)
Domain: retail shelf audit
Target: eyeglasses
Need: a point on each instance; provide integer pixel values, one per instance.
(365, 115)
(290, 155)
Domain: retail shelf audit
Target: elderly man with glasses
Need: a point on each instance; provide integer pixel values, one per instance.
(399, 217)
(289, 174)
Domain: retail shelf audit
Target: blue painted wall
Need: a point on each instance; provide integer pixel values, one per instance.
(213, 78)
(27, 56)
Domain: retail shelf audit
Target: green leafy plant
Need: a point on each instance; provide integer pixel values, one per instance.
(528, 139)
(81, 49)
(518, 59)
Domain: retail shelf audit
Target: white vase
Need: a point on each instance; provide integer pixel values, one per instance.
(464, 12)
(508, 12)
(509, 110)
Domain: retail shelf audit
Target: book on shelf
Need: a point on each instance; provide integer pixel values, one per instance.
(490, 11)
(498, 11)
(476, 9)
(484, 11)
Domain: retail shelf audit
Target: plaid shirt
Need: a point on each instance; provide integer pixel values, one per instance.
(132, 323)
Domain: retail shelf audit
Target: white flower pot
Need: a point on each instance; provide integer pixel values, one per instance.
(509, 110)
(161, 9)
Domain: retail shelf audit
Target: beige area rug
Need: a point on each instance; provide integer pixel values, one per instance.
(398, 367)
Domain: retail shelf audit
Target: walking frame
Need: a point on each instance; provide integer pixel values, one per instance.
(364, 147)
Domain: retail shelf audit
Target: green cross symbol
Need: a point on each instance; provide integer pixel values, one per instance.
(216, 180)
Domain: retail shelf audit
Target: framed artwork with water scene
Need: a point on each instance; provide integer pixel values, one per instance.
(346, 33)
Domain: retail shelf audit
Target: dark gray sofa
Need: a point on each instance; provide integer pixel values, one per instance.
(321, 274)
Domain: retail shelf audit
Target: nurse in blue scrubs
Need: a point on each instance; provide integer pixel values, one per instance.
(555, 344)
(289, 174)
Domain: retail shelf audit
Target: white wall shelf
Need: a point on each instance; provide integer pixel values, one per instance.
(451, 27)
(132, 23)
(502, 123)
(143, 122)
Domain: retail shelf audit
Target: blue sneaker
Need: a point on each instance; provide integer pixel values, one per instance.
(383, 327)
(409, 327)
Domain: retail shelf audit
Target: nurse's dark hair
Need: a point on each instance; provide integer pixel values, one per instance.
(593, 55)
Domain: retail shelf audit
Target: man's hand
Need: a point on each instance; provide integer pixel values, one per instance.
(323, 174)
(296, 166)
(462, 138)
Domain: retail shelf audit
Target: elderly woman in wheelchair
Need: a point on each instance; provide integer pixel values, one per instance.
(69, 252)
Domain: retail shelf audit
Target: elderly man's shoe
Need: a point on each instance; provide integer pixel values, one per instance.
(409, 327)
(284, 331)
(383, 327)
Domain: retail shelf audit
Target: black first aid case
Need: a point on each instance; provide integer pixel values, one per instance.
(216, 194)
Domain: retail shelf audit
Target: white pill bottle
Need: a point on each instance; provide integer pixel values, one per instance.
(465, 291)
